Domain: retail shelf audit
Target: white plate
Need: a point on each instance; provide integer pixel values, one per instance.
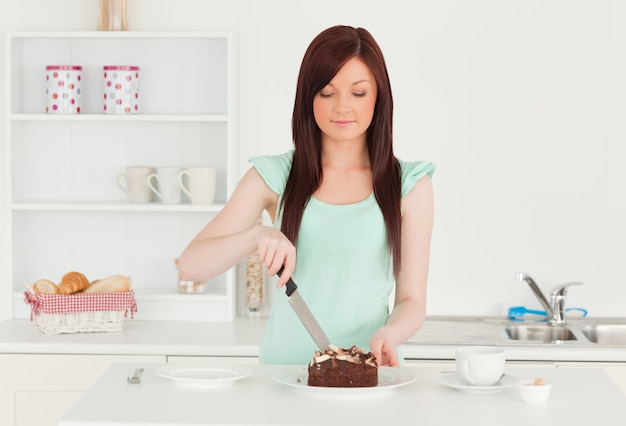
(203, 375)
(388, 379)
(454, 381)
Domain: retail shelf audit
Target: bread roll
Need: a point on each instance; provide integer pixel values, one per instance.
(73, 282)
(45, 287)
(110, 284)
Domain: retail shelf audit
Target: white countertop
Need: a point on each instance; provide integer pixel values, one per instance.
(582, 396)
(241, 337)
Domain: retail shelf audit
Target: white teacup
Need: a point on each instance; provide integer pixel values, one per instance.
(164, 183)
(202, 182)
(480, 365)
(135, 183)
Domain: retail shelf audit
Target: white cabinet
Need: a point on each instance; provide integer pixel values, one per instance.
(65, 210)
(36, 390)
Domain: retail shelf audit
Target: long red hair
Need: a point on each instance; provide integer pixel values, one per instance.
(325, 56)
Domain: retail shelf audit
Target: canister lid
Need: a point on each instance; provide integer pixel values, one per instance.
(64, 67)
(120, 68)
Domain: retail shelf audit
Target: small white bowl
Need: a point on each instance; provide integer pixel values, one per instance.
(534, 394)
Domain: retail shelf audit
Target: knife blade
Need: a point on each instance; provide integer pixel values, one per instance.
(304, 313)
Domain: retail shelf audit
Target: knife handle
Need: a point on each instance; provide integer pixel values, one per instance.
(290, 286)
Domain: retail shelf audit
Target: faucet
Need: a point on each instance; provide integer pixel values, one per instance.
(556, 309)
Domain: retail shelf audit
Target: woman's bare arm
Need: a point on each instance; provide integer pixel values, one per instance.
(410, 299)
(231, 235)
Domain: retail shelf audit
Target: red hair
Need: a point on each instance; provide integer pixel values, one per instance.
(325, 56)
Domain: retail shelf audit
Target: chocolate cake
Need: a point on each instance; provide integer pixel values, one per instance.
(347, 368)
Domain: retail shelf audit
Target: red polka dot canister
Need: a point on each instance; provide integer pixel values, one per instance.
(121, 89)
(63, 89)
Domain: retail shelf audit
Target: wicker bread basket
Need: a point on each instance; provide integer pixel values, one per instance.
(80, 312)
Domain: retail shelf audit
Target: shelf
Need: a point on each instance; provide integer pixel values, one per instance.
(197, 67)
(111, 206)
(203, 118)
(120, 34)
(160, 294)
(65, 211)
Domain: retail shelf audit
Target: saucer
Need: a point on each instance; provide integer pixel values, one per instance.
(452, 380)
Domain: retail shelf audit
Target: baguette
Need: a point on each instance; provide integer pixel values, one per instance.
(73, 282)
(113, 283)
(45, 287)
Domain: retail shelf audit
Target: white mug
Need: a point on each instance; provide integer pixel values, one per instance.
(201, 181)
(480, 365)
(136, 183)
(164, 183)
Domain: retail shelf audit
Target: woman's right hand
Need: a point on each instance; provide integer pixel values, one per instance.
(234, 233)
(276, 251)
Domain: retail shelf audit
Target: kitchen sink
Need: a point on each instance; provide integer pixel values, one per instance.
(605, 334)
(540, 333)
(576, 332)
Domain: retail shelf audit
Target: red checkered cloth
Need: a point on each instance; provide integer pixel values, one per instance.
(80, 302)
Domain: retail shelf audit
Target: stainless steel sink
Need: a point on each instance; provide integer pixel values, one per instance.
(540, 333)
(577, 332)
(605, 334)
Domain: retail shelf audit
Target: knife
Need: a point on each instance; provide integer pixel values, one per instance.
(304, 313)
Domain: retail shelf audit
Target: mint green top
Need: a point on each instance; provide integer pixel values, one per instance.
(343, 269)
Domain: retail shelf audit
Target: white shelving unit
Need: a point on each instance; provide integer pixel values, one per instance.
(65, 210)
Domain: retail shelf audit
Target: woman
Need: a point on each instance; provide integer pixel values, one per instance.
(350, 220)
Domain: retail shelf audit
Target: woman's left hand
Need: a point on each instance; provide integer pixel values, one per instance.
(385, 352)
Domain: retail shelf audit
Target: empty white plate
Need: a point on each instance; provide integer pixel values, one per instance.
(203, 375)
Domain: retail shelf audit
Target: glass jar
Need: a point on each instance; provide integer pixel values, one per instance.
(191, 287)
(254, 280)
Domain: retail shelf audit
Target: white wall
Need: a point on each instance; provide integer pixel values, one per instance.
(520, 103)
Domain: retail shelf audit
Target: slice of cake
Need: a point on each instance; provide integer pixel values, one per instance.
(343, 368)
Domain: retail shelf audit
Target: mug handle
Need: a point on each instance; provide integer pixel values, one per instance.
(124, 188)
(182, 184)
(464, 366)
(153, 188)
